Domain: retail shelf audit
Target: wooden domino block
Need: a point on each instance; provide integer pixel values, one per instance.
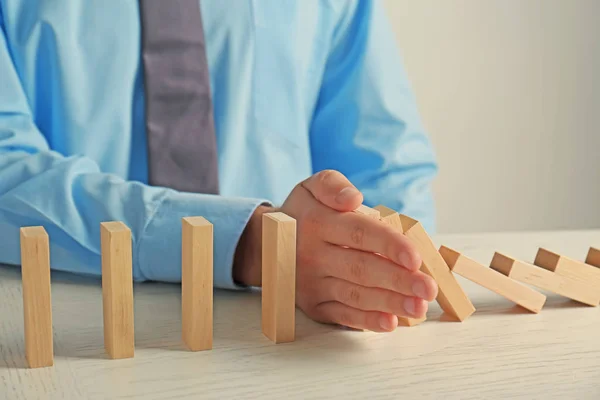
(404, 321)
(392, 218)
(545, 279)
(593, 257)
(451, 297)
(565, 266)
(279, 277)
(389, 216)
(117, 289)
(493, 280)
(197, 283)
(37, 301)
(368, 211)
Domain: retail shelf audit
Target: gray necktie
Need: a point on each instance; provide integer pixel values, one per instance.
(179, 113)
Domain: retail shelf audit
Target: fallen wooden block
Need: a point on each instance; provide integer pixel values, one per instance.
(368, 211)
(197, 283)
(279, 277)
(392, 218)
(593, 257)
(545, 279)
(408, 322)
(37, 301)
(493, 280)
(451, 297)
(117, 290)
(565, 266)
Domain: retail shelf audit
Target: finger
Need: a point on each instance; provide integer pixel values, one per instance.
(333, 312)
(334, 190)
(371, 270)
(360, 232)
(373, 299)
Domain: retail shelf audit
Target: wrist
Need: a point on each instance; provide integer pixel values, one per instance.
(247, 265)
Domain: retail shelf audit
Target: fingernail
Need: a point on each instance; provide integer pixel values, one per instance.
(409, 305)
(419, 289)
(346, 194)
(385, 324)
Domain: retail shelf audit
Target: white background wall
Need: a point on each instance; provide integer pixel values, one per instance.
(509, 91)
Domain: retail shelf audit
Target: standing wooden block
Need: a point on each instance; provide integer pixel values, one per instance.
(564, 266)
(117, 289)
(392, 218)
(451, 297)
(279, 277)
(593, 257)
(545, 280)
(493, 280)
(197, 283)
(368, 211)
(37, 301)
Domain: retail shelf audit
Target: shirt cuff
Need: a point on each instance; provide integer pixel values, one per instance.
(159, 248)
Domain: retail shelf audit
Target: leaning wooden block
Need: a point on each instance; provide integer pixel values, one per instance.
(389, 216)
(117, 289)
(593, 257)
(392, 218)
(451, 297)
(564, 266)
(37, 301)
(545, 279)
(279, 277)
(368, 211)
(493, 280)
(197, 283)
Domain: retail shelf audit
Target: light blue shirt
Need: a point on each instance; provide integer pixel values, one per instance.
(298, 86)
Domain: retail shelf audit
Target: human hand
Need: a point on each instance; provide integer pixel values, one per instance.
(351, 269)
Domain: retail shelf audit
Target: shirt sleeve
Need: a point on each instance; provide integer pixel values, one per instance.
(366, 123)
(70, 196)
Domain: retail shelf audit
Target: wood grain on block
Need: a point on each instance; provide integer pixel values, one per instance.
(493, 280)
(545, 279)
(197, 283)
(565, 266)
(279, 277)
(368, 211)
(117, 289)
(392, 218)
(593, 257)
(451, 296)
(37, 299)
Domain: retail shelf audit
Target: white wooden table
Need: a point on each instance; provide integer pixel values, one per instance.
(500, 352)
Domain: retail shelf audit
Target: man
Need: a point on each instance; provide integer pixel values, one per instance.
(149, 112)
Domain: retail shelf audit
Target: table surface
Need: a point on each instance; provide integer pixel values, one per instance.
(501, 351)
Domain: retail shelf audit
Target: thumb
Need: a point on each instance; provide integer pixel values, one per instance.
(334, 190)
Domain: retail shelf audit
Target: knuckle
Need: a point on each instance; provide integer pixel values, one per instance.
(327, 176)
(305, 258)
(312, 221)
(352, 296)
(357, 235)
(358, 268)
